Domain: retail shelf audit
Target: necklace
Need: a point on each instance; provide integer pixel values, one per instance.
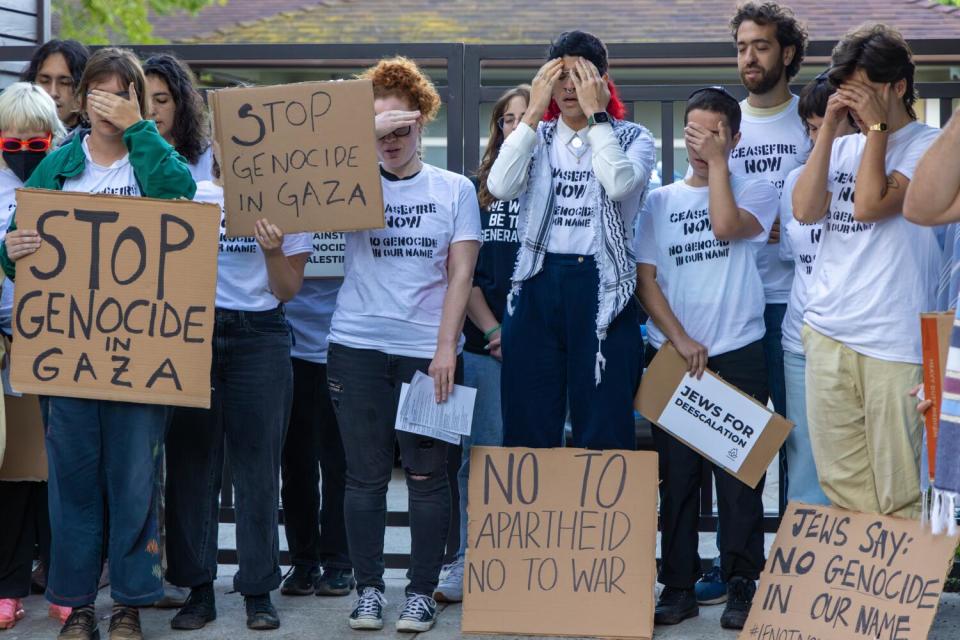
(576, 147)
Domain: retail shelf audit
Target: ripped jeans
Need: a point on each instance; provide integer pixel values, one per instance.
(365, 389)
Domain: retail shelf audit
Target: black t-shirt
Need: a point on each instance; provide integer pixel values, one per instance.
(494, 265)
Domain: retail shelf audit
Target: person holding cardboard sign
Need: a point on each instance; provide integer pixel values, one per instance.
(580, 172)
(401, 310)
(252, 382)
(861, 362)
(698, 279)
(103, 454)
(29, 129)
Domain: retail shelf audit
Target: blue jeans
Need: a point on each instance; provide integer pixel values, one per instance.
(549, 355)
(803, 484)
(482, 372)
(252, 382)
(104, 460)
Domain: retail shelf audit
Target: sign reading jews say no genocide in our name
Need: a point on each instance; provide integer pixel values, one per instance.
(837, 574)
(302, 155)
(118, 301)
(561, 542)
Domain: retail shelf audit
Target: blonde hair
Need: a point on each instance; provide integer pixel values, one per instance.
(27, 107)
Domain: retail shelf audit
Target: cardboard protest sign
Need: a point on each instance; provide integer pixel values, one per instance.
(118, 302)
(837, 574)
(302, 155)
(935, 331)
(327, 259)
(728, 427)
(561, 542)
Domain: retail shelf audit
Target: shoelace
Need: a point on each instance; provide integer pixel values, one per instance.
(262, 605)
(124, 619)
(82, 618)
(368, 602)
(740, 591)
(455, 572)
(417, 605)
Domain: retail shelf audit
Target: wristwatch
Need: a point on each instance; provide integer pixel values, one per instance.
(601, 117)
(880, 126)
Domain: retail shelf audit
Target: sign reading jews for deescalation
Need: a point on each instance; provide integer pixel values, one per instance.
(118, 301)
(561, 542)
(301, 155)
(837, 574)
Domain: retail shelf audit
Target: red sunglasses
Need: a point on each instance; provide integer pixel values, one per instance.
(16, 145)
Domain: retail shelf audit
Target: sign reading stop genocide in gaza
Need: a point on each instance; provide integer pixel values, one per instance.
(301, 155)
(118, 301)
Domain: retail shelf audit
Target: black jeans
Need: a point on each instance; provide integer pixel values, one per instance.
(365, 389)
(23, 511)
(315, 535)
(250, 406)
(740, 507)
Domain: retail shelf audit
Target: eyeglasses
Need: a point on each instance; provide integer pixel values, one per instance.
(508, 121)
(402, 132)
(714, 89)
(16, 145)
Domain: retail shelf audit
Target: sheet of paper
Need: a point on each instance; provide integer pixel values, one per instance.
(402, 425)
(420, 406)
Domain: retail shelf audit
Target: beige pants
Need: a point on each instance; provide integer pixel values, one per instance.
(864, 428)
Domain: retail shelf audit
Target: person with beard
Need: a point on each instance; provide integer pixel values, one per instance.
(770, 48)
(874, 273)
(571, 333)
(56, 67)
(29, 127)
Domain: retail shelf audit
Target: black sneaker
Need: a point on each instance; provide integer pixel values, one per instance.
(300, 581)
(739, 598)
(419, 613)
(368, 613)
(81, 625)
(675, 606)
(261, 614)
(200, 608)
(336, 582)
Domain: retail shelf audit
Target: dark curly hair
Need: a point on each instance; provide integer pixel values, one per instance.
(882, 53)
(496, 141)
(72, 51)
(813, 99)
(790, 32)
(191, 133)
(585, 45)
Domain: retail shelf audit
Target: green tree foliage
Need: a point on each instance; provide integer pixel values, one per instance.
(118, 21)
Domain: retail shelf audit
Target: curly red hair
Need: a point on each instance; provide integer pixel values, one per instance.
(401, 77)
(615, 108)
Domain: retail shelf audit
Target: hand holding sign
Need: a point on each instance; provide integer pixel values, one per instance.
(121, 111)
(694, 353)
(268, 235)
(21, 242)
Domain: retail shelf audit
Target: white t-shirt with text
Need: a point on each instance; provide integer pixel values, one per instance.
(798, 244)
(872, 280)
(242, 280)
(395, 279)
(713, 286)
(771, 147)
(118, 179)
(9, 183)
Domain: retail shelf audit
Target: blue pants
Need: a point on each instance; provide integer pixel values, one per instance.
(549, 353)
(252, 382)
(483, 373)
(104, 460)
(803, 484)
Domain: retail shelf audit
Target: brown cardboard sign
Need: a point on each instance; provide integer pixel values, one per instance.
(26, 454)
(726, 426)
(561, 542)
(838, 574)
(118, 301)
(301, 155)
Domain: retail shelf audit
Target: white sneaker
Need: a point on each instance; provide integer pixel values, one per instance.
(368, 614)
(450, 588)
(419, 613)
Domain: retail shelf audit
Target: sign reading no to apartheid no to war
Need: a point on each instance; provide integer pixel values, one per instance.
(118, 301)
(835, 574)
(301, 155)
(561, 542)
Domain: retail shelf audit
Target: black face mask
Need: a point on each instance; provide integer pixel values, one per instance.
(22, 163)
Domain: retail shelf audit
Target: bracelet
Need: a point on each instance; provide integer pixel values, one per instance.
(490, 333)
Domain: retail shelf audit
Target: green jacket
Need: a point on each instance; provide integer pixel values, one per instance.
(161, 172)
